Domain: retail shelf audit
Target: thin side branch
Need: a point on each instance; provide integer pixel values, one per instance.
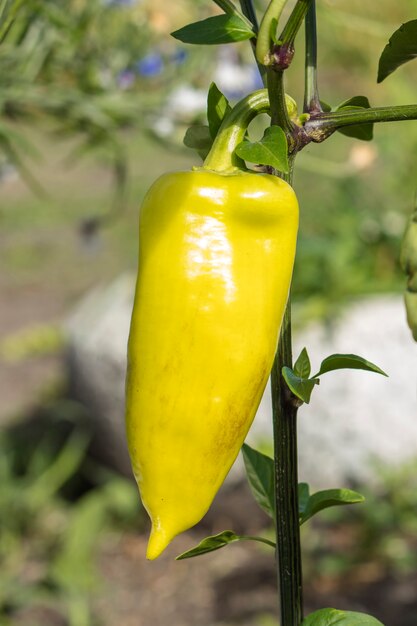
(311, 93)
(294, 23)
(249, 11)
(228, 7)
(319, 127)
(279, 111)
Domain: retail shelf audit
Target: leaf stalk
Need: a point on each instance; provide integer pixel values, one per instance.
(311, 92)
(319, 127)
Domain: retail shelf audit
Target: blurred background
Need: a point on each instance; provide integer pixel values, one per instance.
(95, 98)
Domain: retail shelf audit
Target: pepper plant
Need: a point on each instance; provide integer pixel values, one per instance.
(169, 389)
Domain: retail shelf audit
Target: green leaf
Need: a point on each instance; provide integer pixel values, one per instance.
(347, 361)
(209, 544)
(260, 473)
(303, 497)
(360, 102)
(215, 542)
(271, 150)
(301, 387)
(333, 617)
(365, 132)
(198, 138)
(302, 366)
(217, 108)
(328, 498)
(402, 47)
(215, 30)
(325, 106)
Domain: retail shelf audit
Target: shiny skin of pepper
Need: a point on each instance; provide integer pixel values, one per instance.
(216, 254)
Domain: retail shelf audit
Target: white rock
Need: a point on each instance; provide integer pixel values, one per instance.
(355, 421)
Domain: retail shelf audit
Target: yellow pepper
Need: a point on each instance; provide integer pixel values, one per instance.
(216, 253)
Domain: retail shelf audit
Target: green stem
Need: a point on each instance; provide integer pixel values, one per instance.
(279, 111)
(321, 126)
(249, 12)
(289, 568)
(221, 157)
(295, 20)
(267, 31)
(311, 93)
(260, 539)
(284, 414)
(228, 7)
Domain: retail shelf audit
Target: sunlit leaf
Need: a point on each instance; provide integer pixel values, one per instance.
(219, 29)
(260, 473)
(271, 150)
(333, 617)
(401, 48)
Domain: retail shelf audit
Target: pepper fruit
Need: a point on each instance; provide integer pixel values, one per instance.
(216, 254)
(408, 259)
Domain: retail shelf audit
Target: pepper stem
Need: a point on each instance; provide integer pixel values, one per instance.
(232, 131)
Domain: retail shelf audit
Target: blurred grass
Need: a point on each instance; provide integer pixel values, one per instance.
(53, 518)
(44, 240)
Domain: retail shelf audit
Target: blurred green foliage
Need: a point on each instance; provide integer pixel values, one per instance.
(76, 65)
(56, 506)
(381, 534)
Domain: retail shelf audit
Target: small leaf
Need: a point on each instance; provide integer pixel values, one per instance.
(333, 617)
(271, 150)
(356, 101)
(301, 387)
(215, 30)
(402, 47)
(198, 138)
(302, 366)
(303, 497)
(260, 473)
(217, 108)
(325, 106)
(209, 544)
(365, 132)
(328, 498)
(347, 361)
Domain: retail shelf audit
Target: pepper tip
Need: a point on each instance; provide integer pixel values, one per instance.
(157, 543)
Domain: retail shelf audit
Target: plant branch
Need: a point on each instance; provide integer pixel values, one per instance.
(260, 539)
(267, 32)
(286, 482)
(311, 92)
(280, 54)
(278, 107)
(321, 126)
(249, 12)
(284, 413)
(221, 157)
(228, 7)
(293, 25)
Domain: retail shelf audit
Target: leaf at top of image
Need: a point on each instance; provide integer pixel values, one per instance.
(214, 30)
(401, 48)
